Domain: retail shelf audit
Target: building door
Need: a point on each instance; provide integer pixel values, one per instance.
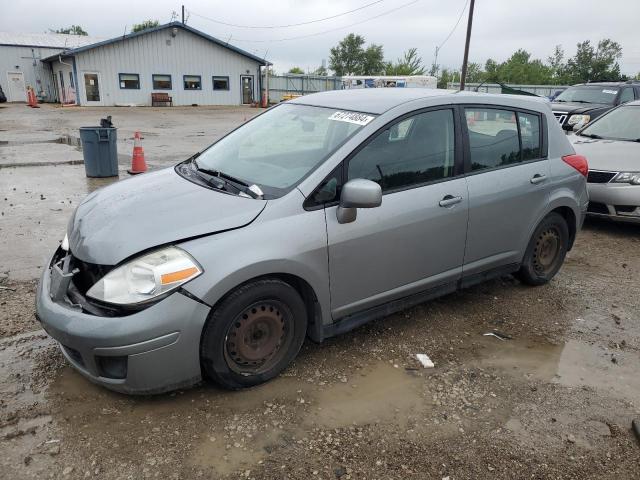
(247, 89)
(92, 88)
(17, 91)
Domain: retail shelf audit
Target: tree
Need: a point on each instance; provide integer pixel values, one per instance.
(147, 24)
(73, 30)
(491, 71)
(346, 57)
(448, 76)
(475, 74)
(373, 60)
(321, 71)
(595, 64)
(409, 64)
(557, 65)
(350, 57)
(296, 70)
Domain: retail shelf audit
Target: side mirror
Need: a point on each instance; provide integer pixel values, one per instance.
(358, 193)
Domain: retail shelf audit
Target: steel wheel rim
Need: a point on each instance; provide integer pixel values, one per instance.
(258, 337)
(547, 251)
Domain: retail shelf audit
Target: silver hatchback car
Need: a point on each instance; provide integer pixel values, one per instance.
(313, 218)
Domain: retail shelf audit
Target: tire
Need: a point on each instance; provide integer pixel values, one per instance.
(254, 334)
(546, 251)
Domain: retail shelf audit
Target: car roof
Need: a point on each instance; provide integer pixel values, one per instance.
(602, 84)
(380, 100)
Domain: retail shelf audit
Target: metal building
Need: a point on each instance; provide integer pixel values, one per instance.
(21, 65)
(191, 67)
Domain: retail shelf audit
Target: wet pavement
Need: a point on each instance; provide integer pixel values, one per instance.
(554, 401)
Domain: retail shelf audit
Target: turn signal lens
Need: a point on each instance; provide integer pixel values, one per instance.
(579, 162)
(173, 277)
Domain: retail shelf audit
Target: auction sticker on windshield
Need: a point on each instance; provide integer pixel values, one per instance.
(611, 92)
(351, 117)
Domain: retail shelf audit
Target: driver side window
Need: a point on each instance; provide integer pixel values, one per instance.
(413, 151)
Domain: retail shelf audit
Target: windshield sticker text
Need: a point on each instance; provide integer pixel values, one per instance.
(611, 92)
(351, 117)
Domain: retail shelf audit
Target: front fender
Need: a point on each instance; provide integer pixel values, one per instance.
(293, 245)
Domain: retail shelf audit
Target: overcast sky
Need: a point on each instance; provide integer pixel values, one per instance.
(499, 27)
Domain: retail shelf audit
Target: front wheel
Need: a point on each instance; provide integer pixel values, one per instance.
(254, 333)
(546, 251)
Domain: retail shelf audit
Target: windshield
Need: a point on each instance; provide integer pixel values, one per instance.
(589, 94)
(280, 147)
(623, 123)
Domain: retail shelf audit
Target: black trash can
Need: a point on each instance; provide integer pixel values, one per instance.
(100, 151)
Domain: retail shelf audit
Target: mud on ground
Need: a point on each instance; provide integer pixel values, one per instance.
(555, 401)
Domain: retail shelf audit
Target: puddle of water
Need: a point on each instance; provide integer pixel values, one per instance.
(572, 364)
(381, 393)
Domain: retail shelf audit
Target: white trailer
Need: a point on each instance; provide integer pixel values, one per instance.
(389, 81)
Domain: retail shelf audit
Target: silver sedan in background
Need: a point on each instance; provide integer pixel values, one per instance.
(612, 145)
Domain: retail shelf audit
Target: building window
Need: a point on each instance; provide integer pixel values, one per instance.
(192, 82)
(221, 83)
(71, 80)
(129, 81)
(161, 82)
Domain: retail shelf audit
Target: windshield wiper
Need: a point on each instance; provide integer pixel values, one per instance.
(252, 191)
(591, 135)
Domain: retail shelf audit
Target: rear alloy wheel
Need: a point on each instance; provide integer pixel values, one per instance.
(546, 251)
(253, 334)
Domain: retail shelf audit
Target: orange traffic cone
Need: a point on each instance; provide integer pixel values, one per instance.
(138, 165)
(31, 98)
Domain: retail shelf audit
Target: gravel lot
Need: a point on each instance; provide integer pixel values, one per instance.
(555, 401)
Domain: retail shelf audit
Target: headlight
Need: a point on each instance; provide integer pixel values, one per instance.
(579, 120)
(627, 177)
(65, 243)
(146, 277)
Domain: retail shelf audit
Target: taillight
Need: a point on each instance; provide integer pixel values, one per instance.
(579, 162)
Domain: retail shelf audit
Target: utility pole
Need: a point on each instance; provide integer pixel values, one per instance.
(435, 64)
(463, 75)
(183, 14)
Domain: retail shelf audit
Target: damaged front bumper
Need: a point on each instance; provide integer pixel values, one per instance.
(147, 351)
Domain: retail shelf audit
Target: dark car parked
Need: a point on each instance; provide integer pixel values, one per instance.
(580, 104)
(3, 98)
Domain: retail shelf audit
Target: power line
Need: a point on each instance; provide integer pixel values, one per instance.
(332, 29)
(291, 24)
(455, 26)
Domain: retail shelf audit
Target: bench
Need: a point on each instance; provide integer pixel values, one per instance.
(161, 100)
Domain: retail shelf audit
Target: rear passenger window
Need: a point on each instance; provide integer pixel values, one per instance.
(493, 137)
(530, 135)
(416, 150)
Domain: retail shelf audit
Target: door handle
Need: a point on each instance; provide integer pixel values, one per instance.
(538, 178)
(449, 200)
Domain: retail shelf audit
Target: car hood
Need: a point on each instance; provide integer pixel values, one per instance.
(149, 210)
(613, 155)
(577, 107)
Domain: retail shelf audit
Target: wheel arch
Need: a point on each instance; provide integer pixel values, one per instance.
(304, 289)
(570, 217)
